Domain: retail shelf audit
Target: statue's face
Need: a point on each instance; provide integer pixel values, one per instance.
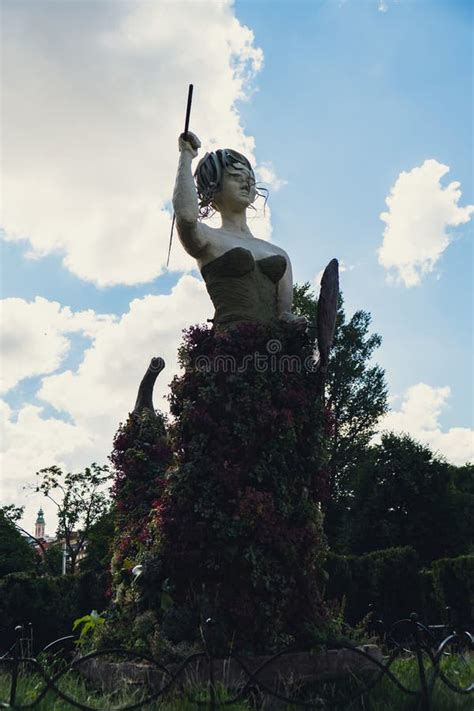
(238, 189)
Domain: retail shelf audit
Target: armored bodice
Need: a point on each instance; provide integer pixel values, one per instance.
(243, 288)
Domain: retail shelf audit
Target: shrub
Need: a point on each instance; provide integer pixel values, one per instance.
(429, 610)
(375, 579)
(16, 555)
(51, 604)
(391, 582)
(453, 582)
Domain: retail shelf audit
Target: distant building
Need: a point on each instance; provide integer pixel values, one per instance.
(39, 525)
(40, 533)
(48, 541)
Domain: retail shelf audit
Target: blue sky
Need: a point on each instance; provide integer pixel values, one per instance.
(352, 97)
(340, 104)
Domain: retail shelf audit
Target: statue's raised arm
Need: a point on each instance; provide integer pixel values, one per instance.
(185, 200)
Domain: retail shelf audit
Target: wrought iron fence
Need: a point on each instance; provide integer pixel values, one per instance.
(408, 636)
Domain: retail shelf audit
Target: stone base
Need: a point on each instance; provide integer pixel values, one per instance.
(288, 669)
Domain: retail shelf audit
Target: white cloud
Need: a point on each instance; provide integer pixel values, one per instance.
(26, 349)
(420, 211)
(33, 336)
(30, 442)
(265, 173)
(418, 415)
(93, 100)
(102, 391)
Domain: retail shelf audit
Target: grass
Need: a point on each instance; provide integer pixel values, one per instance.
(386, 696)
(459, 671)
(72, 684)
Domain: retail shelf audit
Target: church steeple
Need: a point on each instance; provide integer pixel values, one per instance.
(40, 525)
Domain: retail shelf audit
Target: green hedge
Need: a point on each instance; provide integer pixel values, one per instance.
(387, 579)
(51, 604)
(430, 610)
(391, 581)
(453, 583)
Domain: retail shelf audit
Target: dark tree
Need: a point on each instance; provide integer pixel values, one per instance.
(403, 496)
(49, 561)
(81, 499)
(16, 554)
(99, 544)
(356, 391)
(462, 505)
(52, 560)
(356, 398)
(305, 302)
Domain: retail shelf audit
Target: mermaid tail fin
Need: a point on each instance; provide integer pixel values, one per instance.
(145, 391)
(327, 311)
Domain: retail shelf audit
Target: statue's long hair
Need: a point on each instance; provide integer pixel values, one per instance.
(209, 175)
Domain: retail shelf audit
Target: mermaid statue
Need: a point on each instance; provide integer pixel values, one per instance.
(219, 511)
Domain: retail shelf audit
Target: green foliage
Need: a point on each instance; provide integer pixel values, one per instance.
(461, 501)
(388, 697)
(12, 513)
(375, 579)
(49, 603)
(47, 558)
(398, 493)
(356, 391)
(126, 695)
(453, 582)
(81, 499)
(89, 626)
(230, 526)
(99, 544)
(429, 609)
(356, 398)
(305, 302)
(241, 520)
(141, 456)
(385, 696)
(403, 495)
(16, 554)
(52, 560)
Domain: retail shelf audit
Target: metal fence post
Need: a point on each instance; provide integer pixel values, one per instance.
(210, 660)
(425, 694)
(16, 664)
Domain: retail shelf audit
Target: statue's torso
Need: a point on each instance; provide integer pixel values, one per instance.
(243, 288)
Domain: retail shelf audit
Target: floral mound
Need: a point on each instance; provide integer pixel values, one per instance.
(141, 457)
(232, 530)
